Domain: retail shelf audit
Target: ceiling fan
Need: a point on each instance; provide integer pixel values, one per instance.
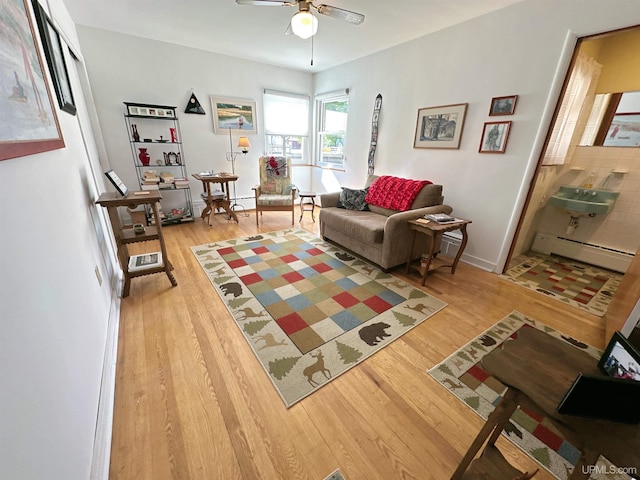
(304, 24)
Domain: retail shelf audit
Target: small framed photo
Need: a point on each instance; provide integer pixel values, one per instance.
(133, 110)
(116, 182)
(233, 115)
(503, 105)
(494, 137)
(440, 127)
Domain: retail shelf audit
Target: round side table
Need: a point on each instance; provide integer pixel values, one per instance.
(307, 204)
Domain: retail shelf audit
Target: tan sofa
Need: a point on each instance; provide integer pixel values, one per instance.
(380, 235)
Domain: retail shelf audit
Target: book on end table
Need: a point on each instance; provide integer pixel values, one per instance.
(144, 261)
(441, 218)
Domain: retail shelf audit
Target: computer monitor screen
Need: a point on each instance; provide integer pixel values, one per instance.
(620, 359)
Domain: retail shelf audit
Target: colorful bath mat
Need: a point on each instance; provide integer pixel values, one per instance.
(577, 284)
(309, 310)
(462, 374)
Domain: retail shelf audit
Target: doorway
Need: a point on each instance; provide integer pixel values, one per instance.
(615, 234)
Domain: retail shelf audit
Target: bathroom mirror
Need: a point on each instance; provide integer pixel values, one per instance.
(614, 121)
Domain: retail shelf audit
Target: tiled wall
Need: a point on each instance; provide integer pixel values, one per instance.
(620, 229)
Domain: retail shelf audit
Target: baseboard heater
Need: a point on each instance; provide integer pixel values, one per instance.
(604, 257)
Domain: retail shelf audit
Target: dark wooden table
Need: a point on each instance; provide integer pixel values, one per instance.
(538, 370)
(214, 202)
(307, 206)
(435, 231)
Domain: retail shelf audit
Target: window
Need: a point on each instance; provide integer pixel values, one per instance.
(286, 125)
(333, 110)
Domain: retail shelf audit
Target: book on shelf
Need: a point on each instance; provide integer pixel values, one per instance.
(441, 218)
(144, 261)
(149, 186)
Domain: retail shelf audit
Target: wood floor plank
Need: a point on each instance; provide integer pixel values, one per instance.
(192, 401)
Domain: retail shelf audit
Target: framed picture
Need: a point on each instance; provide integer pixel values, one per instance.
(494, 137)
(28, 123)
(237, 116)
(116, 182)
(440, 127)
(623, 131)
(54, 52)
(503, 105)
(145, 110)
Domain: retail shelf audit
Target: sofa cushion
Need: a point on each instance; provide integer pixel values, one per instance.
(353, 199)
(394, 193)
(362, 226)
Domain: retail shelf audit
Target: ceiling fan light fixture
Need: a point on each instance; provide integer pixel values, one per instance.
(304, 24)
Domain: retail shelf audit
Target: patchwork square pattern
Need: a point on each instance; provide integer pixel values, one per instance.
(309, 310)
(580, 285)
(282, 278)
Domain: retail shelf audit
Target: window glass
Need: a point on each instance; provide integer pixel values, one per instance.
(332, 128)
(286, 120)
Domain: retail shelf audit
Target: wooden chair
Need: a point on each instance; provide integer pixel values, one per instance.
(275, 192)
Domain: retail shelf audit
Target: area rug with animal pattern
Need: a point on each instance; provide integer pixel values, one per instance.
(577, 284)
(461, 374)
(309, 310)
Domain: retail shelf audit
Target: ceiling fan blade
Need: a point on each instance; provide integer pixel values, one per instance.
(266, 3)
(340, 13)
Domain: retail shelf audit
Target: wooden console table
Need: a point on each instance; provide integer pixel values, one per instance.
(111, 201)
(213, 202)
(538, 370)
(435, 231)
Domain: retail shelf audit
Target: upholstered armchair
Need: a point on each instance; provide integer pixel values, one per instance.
(275, 192)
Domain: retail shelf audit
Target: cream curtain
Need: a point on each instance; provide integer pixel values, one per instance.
(582, 83)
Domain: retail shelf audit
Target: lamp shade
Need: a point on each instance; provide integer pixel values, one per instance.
(243, 144)
(304, 24)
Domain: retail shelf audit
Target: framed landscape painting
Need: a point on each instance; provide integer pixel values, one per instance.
(233, 115)
(440, 127)
(28, 123)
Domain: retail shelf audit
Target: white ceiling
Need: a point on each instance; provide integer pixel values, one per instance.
(257, 33)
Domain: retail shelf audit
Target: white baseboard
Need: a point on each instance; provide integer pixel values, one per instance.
(104, 423)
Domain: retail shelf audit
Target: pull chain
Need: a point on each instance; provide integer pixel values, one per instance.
(312, 50)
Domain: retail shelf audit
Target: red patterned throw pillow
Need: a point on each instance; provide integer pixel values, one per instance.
(394, 192)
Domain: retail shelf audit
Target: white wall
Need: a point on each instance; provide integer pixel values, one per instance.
(516, 50)
(127, 68)
(54, 314)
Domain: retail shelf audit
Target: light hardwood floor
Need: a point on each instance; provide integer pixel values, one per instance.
(192, 402)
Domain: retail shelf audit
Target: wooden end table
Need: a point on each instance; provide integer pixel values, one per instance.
(307, 206)
(435, 231)
(538, 370)
(213, 202)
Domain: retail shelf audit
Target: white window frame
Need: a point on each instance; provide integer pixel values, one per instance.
(278, 134)
(338, 159)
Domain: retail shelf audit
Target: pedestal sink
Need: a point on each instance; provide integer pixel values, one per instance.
(579, 201)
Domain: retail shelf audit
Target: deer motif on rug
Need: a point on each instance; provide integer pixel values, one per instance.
(318, 366)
